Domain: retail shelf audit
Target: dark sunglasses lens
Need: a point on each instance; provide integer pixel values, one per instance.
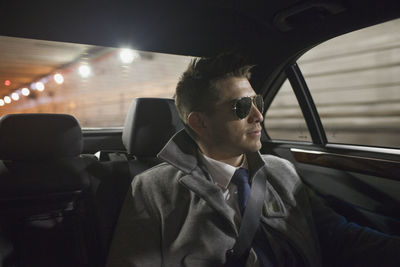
(259, 101)
(243, 107)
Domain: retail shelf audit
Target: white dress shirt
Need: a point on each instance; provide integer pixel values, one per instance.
(222, 173)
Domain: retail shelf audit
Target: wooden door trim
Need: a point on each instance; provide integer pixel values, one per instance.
(372, 166)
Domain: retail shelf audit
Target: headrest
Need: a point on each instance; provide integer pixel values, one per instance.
(150, 123)
(39, 136)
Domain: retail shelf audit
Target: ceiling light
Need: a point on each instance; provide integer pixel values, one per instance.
(39, 86)
(7, 82)
(7, 99)
(58, 78)
(25, 91)
(1, 102)
(15, 96)
(84, 71)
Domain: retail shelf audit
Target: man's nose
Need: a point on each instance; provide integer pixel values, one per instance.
(255, 115)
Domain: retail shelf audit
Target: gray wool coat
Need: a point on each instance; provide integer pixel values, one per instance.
(174, 215)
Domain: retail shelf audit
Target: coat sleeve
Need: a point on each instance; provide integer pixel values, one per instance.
(137, 238)
(348, 244)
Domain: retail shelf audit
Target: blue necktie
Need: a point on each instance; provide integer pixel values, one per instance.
(260, 243)
(241, 180)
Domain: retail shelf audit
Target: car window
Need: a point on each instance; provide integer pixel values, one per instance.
(284, 119)
(95, 84)
(355, 83)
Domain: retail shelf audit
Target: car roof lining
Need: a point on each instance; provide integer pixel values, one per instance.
(195, 28)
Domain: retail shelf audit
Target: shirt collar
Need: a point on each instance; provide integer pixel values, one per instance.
(221, 172)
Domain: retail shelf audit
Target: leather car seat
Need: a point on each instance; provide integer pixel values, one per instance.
(45, 205)
(149, 124)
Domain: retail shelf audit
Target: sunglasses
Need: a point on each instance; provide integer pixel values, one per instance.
(242, 105)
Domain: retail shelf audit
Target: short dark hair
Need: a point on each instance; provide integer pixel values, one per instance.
(196, 89)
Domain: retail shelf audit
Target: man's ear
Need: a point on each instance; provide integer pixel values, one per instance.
(197, 123)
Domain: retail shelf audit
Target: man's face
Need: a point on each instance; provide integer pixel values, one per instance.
(226, 134)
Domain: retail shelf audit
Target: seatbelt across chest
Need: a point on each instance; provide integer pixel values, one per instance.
(250, 221)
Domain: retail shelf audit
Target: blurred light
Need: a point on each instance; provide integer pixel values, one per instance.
(1, 102)
(7, 99)
(128, 55)
(58, 78)
(25, 91)
(7, 82)
(72, 105)
(84, 71)
(39, 86)
(15, 96)
(44, 80)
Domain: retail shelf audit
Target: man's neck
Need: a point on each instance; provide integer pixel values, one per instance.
(228, 159)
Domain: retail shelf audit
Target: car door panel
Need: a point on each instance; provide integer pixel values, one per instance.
(362, 188)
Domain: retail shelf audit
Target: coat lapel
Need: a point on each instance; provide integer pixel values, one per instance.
(181, 152)
(211, 193)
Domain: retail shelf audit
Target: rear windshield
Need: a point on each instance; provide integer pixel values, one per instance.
(95, 84)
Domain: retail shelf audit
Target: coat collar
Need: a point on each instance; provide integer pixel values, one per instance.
(181, 152)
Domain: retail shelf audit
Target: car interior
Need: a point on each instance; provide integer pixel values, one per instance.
(62, 185)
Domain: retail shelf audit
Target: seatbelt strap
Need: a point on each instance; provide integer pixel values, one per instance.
(250, 221)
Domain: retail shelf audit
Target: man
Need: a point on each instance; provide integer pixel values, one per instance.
(188, 211)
